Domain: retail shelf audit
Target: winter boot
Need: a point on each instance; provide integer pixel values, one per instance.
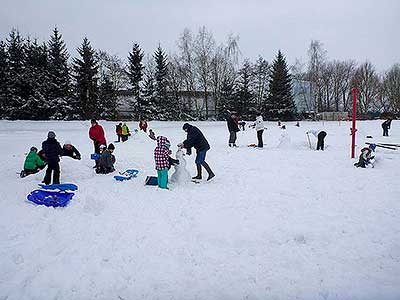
(198, 176)
(209, 171)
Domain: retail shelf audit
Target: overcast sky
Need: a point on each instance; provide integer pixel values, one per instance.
(352, 29)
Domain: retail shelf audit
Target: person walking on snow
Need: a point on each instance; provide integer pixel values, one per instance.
(125, 132)
(196, 139)
(386, 127)
(231, 121)
(162, 161)
(143, 125)
(259, 126)
(52, 151)
(320, 135)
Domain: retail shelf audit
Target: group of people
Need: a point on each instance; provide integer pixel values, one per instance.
(49, 156)
(233, 124)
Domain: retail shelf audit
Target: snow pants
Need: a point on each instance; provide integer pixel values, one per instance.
(232, 138)
(162, 178)
(320, 142)
(259, 138)
(52, 167)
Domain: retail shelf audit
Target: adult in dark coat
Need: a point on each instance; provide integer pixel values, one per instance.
(386, 127)
(196, 139)
(52, 151)
(231, 121)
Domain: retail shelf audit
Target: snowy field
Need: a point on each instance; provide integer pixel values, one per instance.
(285, 222)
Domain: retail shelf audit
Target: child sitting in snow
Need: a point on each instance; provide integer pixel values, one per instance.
(365, 158)
(33, 163)
(163, 161)
(106, 161)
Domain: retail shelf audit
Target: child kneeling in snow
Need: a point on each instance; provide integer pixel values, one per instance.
(365, 158)
(163, 161)
(106, 161)
(33, 163)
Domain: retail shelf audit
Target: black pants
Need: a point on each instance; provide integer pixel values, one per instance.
(52, 167)
(320, 142)
(385, 131)
(119, 137)
(259, 138)
(124, 138)
(232, 137)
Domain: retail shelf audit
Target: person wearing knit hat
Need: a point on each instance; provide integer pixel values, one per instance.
(52, 151)
(106, 161)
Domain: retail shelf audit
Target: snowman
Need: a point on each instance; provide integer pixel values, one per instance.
(181, 174)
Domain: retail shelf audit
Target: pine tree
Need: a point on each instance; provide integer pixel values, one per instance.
(161, 84)
(4, 70)
(135, 74)
(227, 96)
(86, 69)
(149, 110)
(107, 103)
(280, 99)
(59, 78)
(244, 104)
(16, 83)
(36, 106)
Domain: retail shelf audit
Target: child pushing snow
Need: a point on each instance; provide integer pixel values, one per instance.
(366, 158)
(33, 163)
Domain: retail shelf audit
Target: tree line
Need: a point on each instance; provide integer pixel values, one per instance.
(40, 81)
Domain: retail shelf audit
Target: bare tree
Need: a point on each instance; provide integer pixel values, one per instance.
(391, 88)
(261, 75)
(113, 66)
(301, 86)
(317, 60)
(368, 86)
(204, 47)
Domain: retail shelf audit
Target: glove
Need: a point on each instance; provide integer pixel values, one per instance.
(189, 151)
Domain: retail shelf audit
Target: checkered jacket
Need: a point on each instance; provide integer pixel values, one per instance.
(161, 153)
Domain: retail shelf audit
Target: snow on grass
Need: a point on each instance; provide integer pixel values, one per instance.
(285, 222)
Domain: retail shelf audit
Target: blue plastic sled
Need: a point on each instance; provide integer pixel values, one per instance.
(61, 187)
(151, 180)
(50, 198)
(95, 156)
(127, 175)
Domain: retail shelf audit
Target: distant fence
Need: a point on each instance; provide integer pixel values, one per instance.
(333, 116)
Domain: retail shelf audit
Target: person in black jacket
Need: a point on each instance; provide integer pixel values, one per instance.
(52, 151)
(106, 161)
(386, 127)
(69, 150)
(231, 119)
(196, 139)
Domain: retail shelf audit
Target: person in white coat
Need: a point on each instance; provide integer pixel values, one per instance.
(320, 135)
(259, 126)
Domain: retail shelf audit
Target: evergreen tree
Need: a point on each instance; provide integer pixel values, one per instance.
(161, 85)
(36, 78)
(244, 104)
(4, 70)
(227, 96)
(59, 93)
(107, 103)
(149, 109)
(280, 99)
(135, 74)
(85, 69)
(16, 82)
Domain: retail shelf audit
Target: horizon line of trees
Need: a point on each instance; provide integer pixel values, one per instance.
(40, 81)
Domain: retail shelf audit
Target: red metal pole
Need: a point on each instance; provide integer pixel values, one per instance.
(353, 128)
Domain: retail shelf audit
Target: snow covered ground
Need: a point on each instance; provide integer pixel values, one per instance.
(285, 222)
